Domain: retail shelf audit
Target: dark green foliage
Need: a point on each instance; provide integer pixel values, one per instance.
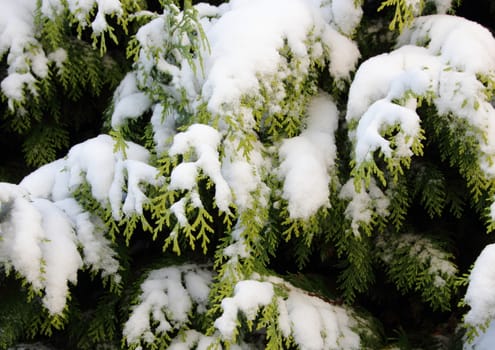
(398, 251)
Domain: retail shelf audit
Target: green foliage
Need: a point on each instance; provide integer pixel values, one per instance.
(15, 318)
(77, 72)
(43, 142)
(400, 202)
(357, 266)
(333, 258)
(458, 145)
(417, 263)
(404, 12)
(429, 185)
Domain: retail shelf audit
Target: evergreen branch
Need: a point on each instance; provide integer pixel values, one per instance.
(417, 263)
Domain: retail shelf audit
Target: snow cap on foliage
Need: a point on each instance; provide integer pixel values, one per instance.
(479, 294)
(61, 258)
(460, 43)
(380, 115)
(388, 76)
(244, 173)
(163, 123)
(42, 217)
(106, 171)
(82, 11)
(44, 182)
(90, 231)
(431, 65)
(16, 25)
(308, 159)
(249, 296)
(344, 14)
(129, 101)
(448, 72)
(319, 325)
(22, 233)
(168, 296)
(27, 61)
(238, 56)
(313, 323)
(204, 141)
(192, 339)
(364, 203)
(39, 242)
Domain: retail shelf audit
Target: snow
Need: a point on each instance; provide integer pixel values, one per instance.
(460, 43)
(26, 60)
(313, 323)
(307, 160)
(443, 5)
(249, 296)
(163, 123)
(81, 9)
(130, 106)
(129, 101)
(283, 318)
(435, 261)
(59, 56)
(39, 242)
(306, 322)
(481, 299)
(51, 8)
(198, 285)
(479, 295)
(204, 140)
(151, 34)
(179, 211)
(305, 177)
(41, 182)
(105, 171)
(243, 173)
(198, 136)
(237, 65)
(386, 75)
(47, 237)
(363, 203)
(447, 69)
(59, 244)
(343, 53)
(16, 26)
(183, 177)
(167, 302)
(191, 339)
(39, 63)
(346, 15)
(85, 161)
(238, 248)
(22, 234)
(317, 324)
(380, 115)
(46, 226)
(138, 172)
(415, 6)
(238, 56)
(13, 85)
(90, 231)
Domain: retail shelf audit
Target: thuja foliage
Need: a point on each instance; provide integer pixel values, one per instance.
(55, 78)
(266, 175)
